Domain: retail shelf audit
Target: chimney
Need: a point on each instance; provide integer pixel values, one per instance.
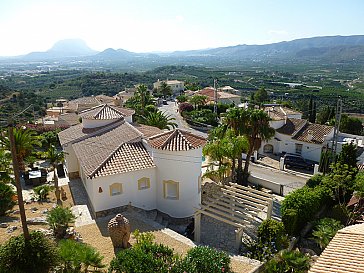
(309, 135)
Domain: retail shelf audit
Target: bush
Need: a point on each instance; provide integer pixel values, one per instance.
(144, 256)
(37, 256)
(185, 107)
(76, 256)
(42, 192)
(6, 198)
(325, 229)
(204, 259)
(271, 239)
(58, 219)
(273, 231)
(307, 202)
(290, 221)
(314, 181)
(288, 261)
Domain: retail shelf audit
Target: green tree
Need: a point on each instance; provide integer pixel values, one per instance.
(5, 166)
(58, 219)
(158, 119)
(323, 116)
(182, 98)
(7, 195)
(76, 256)
(198, 101)
(261, 96)
(38, 255)
(25, 140)
(348, 155)
(165, 89)
(351, 125)
(55, 157)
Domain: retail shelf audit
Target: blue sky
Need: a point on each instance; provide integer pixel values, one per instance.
(157, 25)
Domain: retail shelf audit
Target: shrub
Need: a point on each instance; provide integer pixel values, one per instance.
(288, 261)
(314, 180)
(58, 219)
(185, 107)
(207, 260)
(273, 231)
(75, 256)
(7, 195)
(290, 221)
(307, 202)
(325, 229)
(42, 192)
(37, 256)
(144, 256)
(271, 238)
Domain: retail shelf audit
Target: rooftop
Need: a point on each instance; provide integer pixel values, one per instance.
(176, 140)
(344, 253)
(106, 112)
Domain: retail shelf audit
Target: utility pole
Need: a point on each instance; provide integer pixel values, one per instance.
(337, 124)
(215, 96)
(17, 181)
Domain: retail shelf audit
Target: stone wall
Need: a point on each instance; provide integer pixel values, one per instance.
(208, 189)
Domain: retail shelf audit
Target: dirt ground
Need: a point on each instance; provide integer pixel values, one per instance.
(97, 236)
(13, 219)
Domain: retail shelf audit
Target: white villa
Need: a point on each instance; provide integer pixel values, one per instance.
(298, 136)
(176, 86)
(121, 163)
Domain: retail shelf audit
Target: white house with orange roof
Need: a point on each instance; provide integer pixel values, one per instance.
(121, 163)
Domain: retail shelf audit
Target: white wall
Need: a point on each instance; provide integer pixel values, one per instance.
(70, 158)
(183, 167)
(145, 199)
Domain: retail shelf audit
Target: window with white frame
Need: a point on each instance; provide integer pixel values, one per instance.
(171, 189)
(298, 148)
(143, 183)
(116, 189)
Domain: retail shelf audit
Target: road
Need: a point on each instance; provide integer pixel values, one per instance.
(290, 180)
(171, 110)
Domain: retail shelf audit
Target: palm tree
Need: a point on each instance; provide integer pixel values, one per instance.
(165, 89)
(54, 157)
(254, 125)
(158, 119)
(198, 101)
(25, 140)
(257, 129)
(5, 169)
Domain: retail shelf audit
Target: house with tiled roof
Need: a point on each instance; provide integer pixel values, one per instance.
(344, 253)
(298, 136)
(222, 97)
(121, 163)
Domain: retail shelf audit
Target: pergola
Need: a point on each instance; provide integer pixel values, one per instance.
(237, 206)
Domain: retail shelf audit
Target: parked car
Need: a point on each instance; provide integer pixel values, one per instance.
(297, 161)
(165, 102)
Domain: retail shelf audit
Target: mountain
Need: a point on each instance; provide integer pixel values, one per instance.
(328, 49)
(63, 49)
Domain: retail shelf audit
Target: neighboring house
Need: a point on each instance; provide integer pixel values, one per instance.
(228, 89)
(344, 253)
(121, 163)
(177, 86)
(123, 96)
(298, 136)
(85, 103)
(222, 97)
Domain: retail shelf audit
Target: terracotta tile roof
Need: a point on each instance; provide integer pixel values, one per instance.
(84, 103)
(69, 119)
(177, 140)
(77, 132)
(94, 151)
(146, 130)
(106, 112)
(128, 157)
(344, 253)
(292, 126)
(313, 133)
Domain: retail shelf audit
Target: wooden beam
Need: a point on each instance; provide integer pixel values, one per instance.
(223, 214)
(217, 217)
(233, 200)
(250, 196)
(197, 233)
(251, 190)
(230, 211)
(243, 198)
